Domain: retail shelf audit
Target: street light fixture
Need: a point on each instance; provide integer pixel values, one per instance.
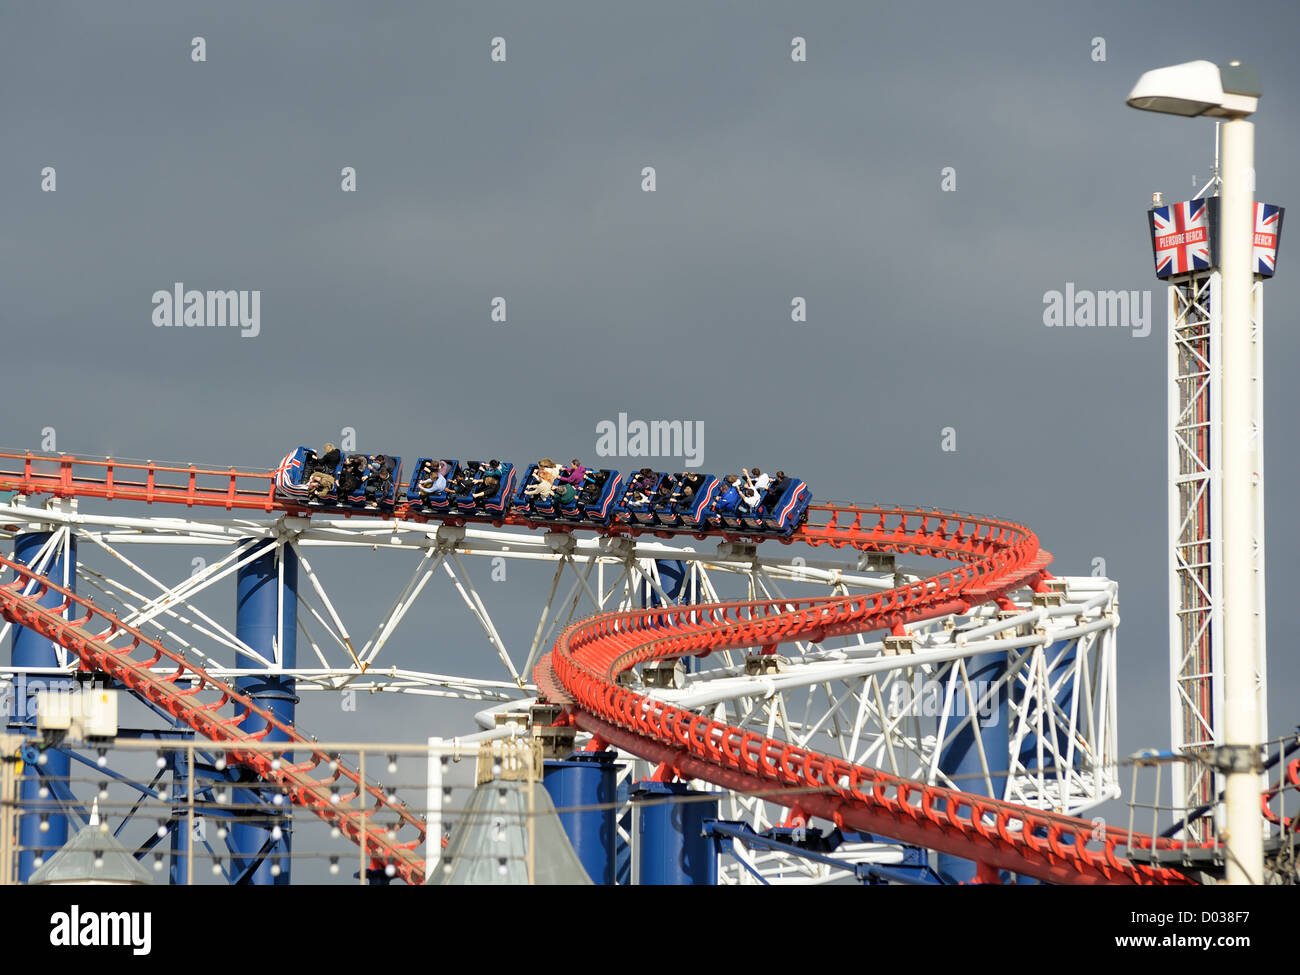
(1231, 92)
(1198, 88)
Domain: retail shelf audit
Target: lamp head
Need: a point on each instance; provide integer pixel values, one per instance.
(1198, 88)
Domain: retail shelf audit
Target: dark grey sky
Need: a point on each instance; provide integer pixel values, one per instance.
(522, 179)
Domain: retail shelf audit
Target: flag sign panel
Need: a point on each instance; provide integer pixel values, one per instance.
(1185, 237)
(1268, 233)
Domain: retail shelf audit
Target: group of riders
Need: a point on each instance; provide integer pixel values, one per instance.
(751, 492)
(477, 479)
(564, 484)
(745, 493)
(647, 490)
(371, 474)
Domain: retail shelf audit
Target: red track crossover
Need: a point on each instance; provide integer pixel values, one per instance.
(1001, 557)
(996, 557)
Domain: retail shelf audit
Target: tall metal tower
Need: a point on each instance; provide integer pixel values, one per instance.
(1185, 245)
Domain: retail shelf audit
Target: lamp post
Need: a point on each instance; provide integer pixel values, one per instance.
(1231, 92)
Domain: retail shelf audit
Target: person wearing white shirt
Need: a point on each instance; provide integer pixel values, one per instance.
(749, 494)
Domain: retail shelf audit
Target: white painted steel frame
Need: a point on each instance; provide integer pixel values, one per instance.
(835, 698)
(1195, 533)
(1195, 561)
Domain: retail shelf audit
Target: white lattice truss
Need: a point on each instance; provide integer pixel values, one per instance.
(1195, 527)
(895, 708)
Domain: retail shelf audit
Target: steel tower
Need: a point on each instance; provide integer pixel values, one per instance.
(1186, 254)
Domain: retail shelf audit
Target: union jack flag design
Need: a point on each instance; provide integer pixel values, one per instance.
(1183, 236)
(1268, 233)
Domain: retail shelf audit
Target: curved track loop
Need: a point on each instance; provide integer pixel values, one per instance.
(997, 558)
(178, 694)
(581, 673)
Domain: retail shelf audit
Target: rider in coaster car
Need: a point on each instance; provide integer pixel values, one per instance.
(663, 494)
(545, 464)
(544, 485)
(643, 481)
(595, 483)
(564, 494)
(681, 484)
(377, 485)
(777, 488)
(352, 475)
(463, 481)
(749, 494)
(636, 498)
(488, 488)
(730, 496)
(574, 474)
(328, 459)
(432, 481)
(320, 484)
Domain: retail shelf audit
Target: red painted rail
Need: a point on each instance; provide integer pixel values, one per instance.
(997, 557)
(102, 642)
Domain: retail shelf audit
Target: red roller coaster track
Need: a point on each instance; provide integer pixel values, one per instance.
(193, 696)
(996, 557)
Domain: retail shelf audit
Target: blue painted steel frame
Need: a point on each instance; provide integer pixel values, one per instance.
(727, 833)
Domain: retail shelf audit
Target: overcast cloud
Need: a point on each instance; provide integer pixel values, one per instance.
(522, 179)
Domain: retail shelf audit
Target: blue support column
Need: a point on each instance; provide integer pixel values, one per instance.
(584, 789)
(672, 847)
(258, 623)
(680, 587)
(30, 649)
(673, 575)
(623, 847)
(961, 758)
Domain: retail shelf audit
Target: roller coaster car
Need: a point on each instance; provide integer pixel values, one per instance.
(462, 483)
(788, 507)
(531, 505)
(695, 513)
(439, 501)
(363, 496)
(499, 503)
(495, 503)
(689, 512)
(292, 475)
(662, 505)
(290, 484)
(625, 512)
(782, 509)
(596, 499)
